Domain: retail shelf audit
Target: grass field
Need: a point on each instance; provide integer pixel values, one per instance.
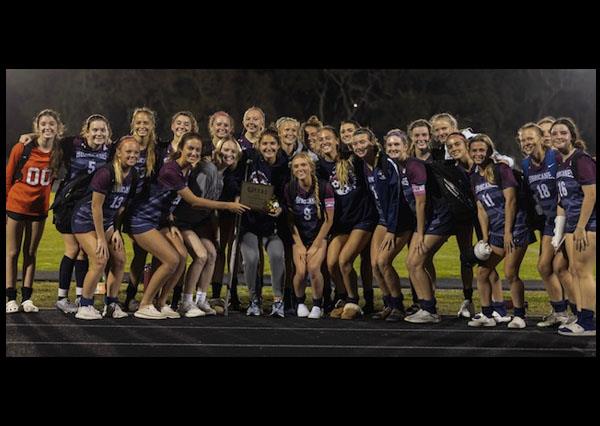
(447, 263)
(447, 260)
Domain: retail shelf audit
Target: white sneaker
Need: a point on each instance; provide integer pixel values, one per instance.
(149, 312)
(422, 317)
(88, 313)
(28, 306)
(66, 306)
(575, 329)
(467, 309)
(302, 311)
(168, 312)
(206, 308)
(114, 311)
(315, 313)
(190, 310)
(498, 318)
(481, 320)
(554, 318)
(12, 307)
(517, 322)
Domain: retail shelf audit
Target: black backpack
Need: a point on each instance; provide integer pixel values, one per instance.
(448, 184)
(535, 220)
(78, 191)
(22, 160)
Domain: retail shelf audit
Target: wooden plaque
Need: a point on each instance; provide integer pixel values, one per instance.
(256, 196)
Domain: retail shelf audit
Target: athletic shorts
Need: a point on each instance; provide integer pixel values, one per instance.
(522, 239)
(439, 225)
(85, 227)
(22, 217)
(570, 227)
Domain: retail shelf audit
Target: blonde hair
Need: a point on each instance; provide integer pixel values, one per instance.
(189, 115)
(151, 156)
(219, 148)
(211, 122)
(56, 156)
(254, 108)
(445, 116)
(313, 176)
(488, 171)
(117, 163)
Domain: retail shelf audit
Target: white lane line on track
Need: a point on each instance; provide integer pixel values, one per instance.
(385, 330)
(227, 345)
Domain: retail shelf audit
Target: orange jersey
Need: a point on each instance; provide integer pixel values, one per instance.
(31, 194)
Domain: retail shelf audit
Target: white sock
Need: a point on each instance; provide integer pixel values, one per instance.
(200, 297)
(188, 298)
(78, 291)
(63, 292)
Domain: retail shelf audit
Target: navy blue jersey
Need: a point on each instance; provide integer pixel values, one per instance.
(81, 159)
(570, 177)
(244, 142)
(541, 182)
(302, 205)
(115, 197)
(153, 211)
(353, 201)
(325, 168)
(491, 197)
(384, 183)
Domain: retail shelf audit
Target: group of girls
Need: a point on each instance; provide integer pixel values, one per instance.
(337, 196)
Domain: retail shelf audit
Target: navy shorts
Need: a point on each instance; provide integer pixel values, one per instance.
(439, 225)
(570, 227)
(21, 217)
(520, 240)
(85, 227)
(548, 227)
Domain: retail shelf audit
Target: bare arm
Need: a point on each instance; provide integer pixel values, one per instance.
(484, 221)
(587, 208)
(203, 203)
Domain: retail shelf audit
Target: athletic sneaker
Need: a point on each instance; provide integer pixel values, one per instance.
(277, 309)
(571, 318)
(577, 329)
(66, 306)
(12, 307)
(422, 316)
(303, 311)
(467, 309)
(113, 311)
(149, 312)
(191, 310)
(28, 306)
(254, 309)
(169, 312)
(395, 315)
(78, 301)
(315, 313)
(206, 308)
(517, 322)
(500, 318)
(554, 318)
(381, 315)
(88, 313)
(133, 305)
(480, 320)
(413, 309)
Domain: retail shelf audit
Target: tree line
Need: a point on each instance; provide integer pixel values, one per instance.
(495, 101)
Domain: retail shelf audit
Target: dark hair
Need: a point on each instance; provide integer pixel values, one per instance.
(186, 137)
(575, 137)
